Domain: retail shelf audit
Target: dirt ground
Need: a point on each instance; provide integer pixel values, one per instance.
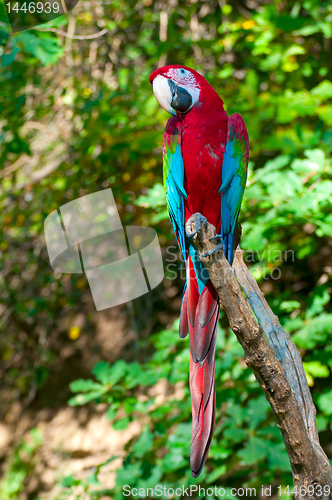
(74, 440)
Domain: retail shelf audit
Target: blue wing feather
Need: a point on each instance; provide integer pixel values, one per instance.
(233, 180)
(173, 179)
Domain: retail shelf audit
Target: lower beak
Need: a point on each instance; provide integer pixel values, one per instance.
(181, 99)
(171, 96)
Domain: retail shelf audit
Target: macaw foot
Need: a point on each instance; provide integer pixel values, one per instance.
(199, 220)
(218, 247)
(217, 237)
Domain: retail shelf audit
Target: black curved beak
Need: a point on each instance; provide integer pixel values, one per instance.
(181, 99)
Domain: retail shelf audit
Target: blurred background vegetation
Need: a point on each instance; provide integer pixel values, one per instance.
(78, 116)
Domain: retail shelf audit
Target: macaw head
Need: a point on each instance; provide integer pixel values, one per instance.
(178, 88)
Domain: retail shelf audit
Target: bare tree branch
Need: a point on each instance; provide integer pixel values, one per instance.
(11, 168)
(75, 37)
(282, 346)
(310, 468)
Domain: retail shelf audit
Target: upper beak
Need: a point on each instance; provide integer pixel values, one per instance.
(170, 96)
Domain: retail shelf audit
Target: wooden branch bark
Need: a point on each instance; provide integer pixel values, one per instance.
(282, 346)
(275, 362)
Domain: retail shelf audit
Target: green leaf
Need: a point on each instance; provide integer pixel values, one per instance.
(36, 436)
(102, 371)
(129, 404)
(289, 305)
(288, 23)
(121, 424)
(256, 449)
(93, 480)
(134, 375)
(257, 410)
(70, 481)
(152, 481)
(235, 435)
(316, 369)
(316, 156)
(323, 90)
(110, 374)
(278, 458)
(314, 331)
(322, 423)
(237, 413)
(216, 474)
(324, 402)
(82, 385)
(144, 443)
(111, 413)
(7, 59)
(128, 475)
(173, 461)
(154, 198)
(82, 399)
(46, 48)
(321, 298)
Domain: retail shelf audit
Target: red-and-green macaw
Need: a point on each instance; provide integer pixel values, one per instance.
(205, 160)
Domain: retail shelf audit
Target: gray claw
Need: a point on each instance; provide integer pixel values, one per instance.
(217, 237)
(217, 248)
(199, 221)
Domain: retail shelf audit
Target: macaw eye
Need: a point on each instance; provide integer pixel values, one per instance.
(182, 71)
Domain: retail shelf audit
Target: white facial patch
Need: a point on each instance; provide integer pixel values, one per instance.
(185, 79)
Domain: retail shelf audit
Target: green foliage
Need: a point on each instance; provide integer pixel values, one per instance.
(155, 199)
(19, 466)
(117, 385)
(160, 454)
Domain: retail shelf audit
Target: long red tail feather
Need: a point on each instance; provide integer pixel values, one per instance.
(199, 315)
(202, 388)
